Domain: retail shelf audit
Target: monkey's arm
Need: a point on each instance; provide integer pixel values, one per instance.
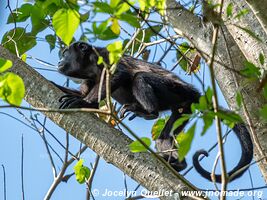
(91, 99)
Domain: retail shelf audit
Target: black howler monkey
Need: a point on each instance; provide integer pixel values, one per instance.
(144, 89)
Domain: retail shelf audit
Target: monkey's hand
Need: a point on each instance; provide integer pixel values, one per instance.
(75, 101)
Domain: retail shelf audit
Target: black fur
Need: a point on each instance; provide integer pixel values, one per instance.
(142, 88)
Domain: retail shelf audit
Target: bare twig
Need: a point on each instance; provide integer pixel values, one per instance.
(22, 166)
(125, 184)
(58, 179)
(89, 182)
(66, 163)
(216, 108)
(58, 110)
(42, 134)
(4, 174)
(214, 169)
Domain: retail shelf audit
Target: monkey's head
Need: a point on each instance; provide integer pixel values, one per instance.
(79, 61)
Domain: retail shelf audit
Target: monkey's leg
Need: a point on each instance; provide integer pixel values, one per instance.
(145, 96)
(165, 143)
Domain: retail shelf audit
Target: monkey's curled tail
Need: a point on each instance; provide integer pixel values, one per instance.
(246, 157)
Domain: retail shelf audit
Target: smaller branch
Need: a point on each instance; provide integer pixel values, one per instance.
(214, 169)
(42, 134)
(93, 171)
(4, 174)
(58, 110)
(251, 182)
(58, 179)
(22, 168)
(125, 184)
(89, 182)
(147, 44)
(216, 107)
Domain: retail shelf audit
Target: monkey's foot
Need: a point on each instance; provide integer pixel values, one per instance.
(138, 112)
(125, 109)
(168, 151)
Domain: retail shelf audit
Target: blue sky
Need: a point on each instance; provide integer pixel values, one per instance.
(37, 169)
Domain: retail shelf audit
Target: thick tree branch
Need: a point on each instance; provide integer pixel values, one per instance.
(259, 9)
(107, 142)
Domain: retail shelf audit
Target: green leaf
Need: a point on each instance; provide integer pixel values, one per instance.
(261, 59)
(158, 127)
(103, 7)
(12, 88)
(209, 95)
(250, 70)
(101, 28)
(229, 10)
(23, 57)
(263, 112)
(66, 22)
(24, 41)
(229, 116)
(82, 172)
(21, 14)
(100, 60)
(115, 27)
(137, 146)
(39, 23)
(239, 99)
(5, 65)
(180, 121)
(160, 5)
(208, 120)
(124, 7)
(185, 140)
(40, 26)
(183, 62)
(242, 13)
(115, 51)
(181, 57)
(51, 39)
(143, 4)
(84, 17)
(130, 19)
(107, 35)
(114, 3)
(203, 104)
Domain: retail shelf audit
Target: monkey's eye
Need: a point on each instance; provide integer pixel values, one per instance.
(83, 46)
(64, 53)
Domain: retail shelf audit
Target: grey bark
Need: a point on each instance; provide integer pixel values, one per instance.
(200, 35)
(259, 9)
(107, 142)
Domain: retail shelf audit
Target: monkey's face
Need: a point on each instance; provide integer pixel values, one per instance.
(79, 61)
